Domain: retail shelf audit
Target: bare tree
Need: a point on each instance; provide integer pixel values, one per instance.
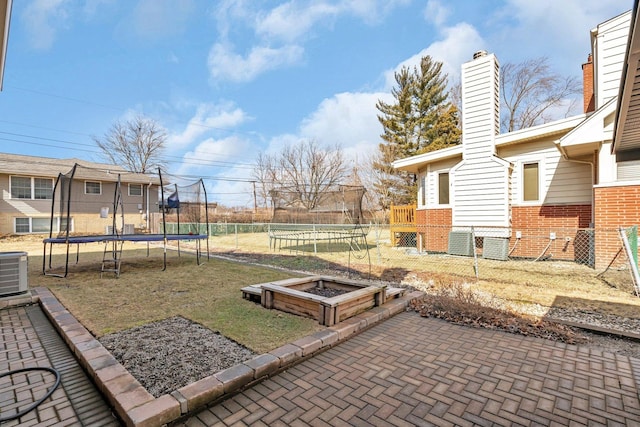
(136, 144)
(533, 94)
(305, 169)
(265, 176)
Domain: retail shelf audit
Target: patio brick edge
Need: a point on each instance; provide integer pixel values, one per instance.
(136, 407)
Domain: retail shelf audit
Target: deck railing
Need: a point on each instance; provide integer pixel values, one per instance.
(402, 219)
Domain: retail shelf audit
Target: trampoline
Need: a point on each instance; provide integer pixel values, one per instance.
(112, 255)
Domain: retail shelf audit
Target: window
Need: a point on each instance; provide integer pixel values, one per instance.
(23, 225)
(40, 225)
(135, 189)
(20, 187)
(23, 187)
(42, 188)
(92, 187)
(423, 190)
(530, 182)
(443, 188)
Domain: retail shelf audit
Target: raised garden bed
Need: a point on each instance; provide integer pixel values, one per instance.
(311, 297)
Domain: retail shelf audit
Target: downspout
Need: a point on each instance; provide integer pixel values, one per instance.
(584, 162)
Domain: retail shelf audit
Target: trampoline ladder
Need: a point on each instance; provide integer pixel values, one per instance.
(111, 258)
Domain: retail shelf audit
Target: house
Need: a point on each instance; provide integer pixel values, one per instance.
(567, 185)
(28, 182)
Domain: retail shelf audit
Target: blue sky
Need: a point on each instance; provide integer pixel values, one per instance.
(228, 79)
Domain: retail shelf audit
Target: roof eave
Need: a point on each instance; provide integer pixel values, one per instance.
(5, 19)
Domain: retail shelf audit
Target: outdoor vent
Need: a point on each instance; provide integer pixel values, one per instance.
(495, 248)
(13, 273)
(461, 243)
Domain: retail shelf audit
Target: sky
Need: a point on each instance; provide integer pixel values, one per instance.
(228, 79)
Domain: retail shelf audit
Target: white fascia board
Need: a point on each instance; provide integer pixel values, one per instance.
(415, 163)
(540, 131)
(592, 129)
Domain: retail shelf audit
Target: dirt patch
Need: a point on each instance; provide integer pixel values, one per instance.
(326, 292)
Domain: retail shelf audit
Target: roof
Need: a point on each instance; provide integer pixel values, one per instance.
(626, 136)
(5, 18)
(414, 164)
(17, 164)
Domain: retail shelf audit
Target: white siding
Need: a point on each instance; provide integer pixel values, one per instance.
(432, 182)
(561, 181)
(480, 107)
(481, 193)
(610, 44)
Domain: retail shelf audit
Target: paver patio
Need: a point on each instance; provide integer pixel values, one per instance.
(410, 370)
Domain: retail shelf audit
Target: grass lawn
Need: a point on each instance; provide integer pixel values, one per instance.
(209, 294)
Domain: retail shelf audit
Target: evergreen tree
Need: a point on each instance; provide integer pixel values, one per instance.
(419, 120)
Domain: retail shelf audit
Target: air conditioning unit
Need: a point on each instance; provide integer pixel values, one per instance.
(13, 273)
(461, 243)
(495, 248)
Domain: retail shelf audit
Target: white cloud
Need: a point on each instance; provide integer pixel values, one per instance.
(436, 13)
(43, 19)
(207, 118)
(225, 64)
(280, 32)
(455, 48)
(347, 119)
(290, 21)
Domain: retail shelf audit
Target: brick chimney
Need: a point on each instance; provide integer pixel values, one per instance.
(587, 85)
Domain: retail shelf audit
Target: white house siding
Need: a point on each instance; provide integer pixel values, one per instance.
(432, 174)
(480, 107)
(480, 193)
(561, 181)
(610, 43)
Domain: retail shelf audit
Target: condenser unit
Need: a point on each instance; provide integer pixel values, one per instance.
(13, 273)
(461, 243)
(495, 248)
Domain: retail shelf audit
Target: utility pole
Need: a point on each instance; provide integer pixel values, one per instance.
(255, 198)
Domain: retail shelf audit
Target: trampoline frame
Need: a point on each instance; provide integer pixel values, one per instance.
(115, 238)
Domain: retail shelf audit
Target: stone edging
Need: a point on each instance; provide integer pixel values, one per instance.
(137, 407)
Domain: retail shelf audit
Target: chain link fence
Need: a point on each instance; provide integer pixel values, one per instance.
(533, 256)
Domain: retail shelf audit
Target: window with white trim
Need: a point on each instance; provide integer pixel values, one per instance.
(39, 225)
(92, 187)
(530, 182)
(24, 187)
(423, 190)
(135, 189)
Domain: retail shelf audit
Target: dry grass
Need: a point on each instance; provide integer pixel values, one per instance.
(548, 283)
(208, 294)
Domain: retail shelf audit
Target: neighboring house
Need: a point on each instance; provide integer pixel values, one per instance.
(563, 175)
(27, 185)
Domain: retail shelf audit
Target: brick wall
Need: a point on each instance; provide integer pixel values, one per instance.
(536, 223)
(615, 207)
(433, 229)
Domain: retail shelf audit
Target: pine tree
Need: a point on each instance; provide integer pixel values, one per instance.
(419, 120)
